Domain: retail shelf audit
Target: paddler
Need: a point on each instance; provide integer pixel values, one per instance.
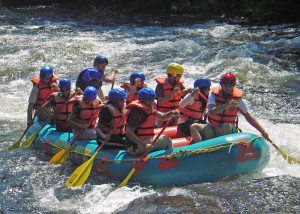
(133, 87)
(141, 123)
(95, 76)
(84, 115)
(111, 119)
(61, 110)
(193, 106)
(169, 91)
(43, 86)
(222, 110)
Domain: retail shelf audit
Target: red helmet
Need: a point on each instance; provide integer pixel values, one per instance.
(228, 78)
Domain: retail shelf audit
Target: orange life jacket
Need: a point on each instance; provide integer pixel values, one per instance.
(195, 111)
(62, 112)
(44, 91)
(117, 120)
(86, 112)
(130, 86)
(173, 103)
(146, 129)
(228, 115)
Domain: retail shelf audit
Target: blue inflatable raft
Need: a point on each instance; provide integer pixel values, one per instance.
(200, 162)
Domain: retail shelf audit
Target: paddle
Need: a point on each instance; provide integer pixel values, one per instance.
(112, 84)
(290, 159)
(80, 175)
(18, 142)
(31, 138)
(125, 181)
(62, 156)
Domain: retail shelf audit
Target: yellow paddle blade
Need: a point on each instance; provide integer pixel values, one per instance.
(60, 157)
(15, 145)
(80, 175)
(124, 183)
(30, 139)
(290, 159)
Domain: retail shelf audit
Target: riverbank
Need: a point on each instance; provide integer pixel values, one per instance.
(243, 11)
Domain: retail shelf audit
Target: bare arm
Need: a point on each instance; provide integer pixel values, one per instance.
(112, 76)
(29, 113)
(134, 138)
(213, 110)
(72, 117)
(165, 99)
(256, 125)
(100, 94)
(166, 116)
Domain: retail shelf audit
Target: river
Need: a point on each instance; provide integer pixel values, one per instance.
(265, 60)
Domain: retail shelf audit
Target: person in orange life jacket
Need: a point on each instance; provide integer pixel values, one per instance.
(169, 91)
(222, 108)
(57, 100)
(84, 114)
(133, 87)
(43, 86)
(100, 64)
(111, 117)
(141, 123)
(192, 106)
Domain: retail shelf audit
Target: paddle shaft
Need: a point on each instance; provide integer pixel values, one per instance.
(82, 172)
(125, 181)
(155, 139)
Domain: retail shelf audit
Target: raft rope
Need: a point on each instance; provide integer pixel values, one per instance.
(180, 153)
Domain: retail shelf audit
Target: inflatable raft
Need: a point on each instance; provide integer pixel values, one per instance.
(185, 164)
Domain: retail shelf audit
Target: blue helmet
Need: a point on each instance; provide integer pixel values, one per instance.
(116, 93)
(135, 75)
(64, 83)
(201, 82)
(101, 60)
(46, 72)
(90, 92)
(146, 93)
(91, 74)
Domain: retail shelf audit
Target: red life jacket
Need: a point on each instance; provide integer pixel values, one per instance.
(130, 86)
(173, 103)
(146, 129)
(195, 111)
(86, 112)
(44, 91)
(117, 120)
(228, 115)
(62, 112)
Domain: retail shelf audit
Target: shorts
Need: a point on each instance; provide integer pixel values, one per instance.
(163, 142)
(87, 134)
(212, 131)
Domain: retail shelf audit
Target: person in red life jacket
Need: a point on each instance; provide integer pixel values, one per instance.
(61, 110)
(84, 114)
(169, 91)
(43, 86)
(192, 107)
(133, 87)
(111, 117)
(141, 123)
(222, 109)
(100, 64)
